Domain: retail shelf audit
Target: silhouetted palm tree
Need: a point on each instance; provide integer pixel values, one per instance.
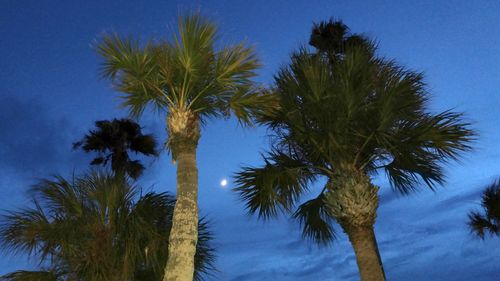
(489, 221)
(344, 115)
(113, 140)
(98, 227)
(189, 80)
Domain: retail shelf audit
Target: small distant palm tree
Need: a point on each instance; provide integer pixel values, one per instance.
(98, 227)
(113, 140)
(344, 115)
(190, 80)
(489, 221)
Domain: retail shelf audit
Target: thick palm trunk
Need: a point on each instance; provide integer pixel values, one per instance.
(367, 255)
(184, 134)
(353, 202)
(184, 233)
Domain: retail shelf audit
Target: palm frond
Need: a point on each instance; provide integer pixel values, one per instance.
(24, 275)
(248, 105)
(315, 221)
(24, 231)
(197, 34)
(205, 256)
(235, 65)
(192, 57)
(419, 147)
(479, 225)
(274, 187)
(133, 72)
(489, 221)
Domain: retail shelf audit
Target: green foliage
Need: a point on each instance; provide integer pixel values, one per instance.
(113, 139)
(186, 73)
(96, 227)
(274, 187)
(342, 109)
(23, 275)
(315, 220)
(489, 221)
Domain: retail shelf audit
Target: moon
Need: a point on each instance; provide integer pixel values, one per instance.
(223, 182)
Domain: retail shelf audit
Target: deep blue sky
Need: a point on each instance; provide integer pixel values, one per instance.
(50, 95)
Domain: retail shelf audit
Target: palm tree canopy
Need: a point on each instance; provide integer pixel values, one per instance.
(344, 110)
(113, 139)
(489, 221)
(186, 73)
(96, 227)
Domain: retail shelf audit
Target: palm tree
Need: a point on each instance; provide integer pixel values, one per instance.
(490, 220)
(94, 228)
(190, 81)
(113, 139)
(344, 115)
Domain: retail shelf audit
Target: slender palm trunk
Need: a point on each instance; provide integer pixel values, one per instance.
(184, 233)
(367, 255)
(184, 133)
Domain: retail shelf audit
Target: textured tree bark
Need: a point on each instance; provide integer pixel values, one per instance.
(367, 255)
(353, 202)
(184, 233)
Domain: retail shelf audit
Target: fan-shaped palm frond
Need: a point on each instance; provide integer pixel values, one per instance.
(274, 187)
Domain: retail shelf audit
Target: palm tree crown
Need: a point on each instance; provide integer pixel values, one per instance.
(113, 139)
(185, 77)
(96, 227)
(490, 220)
(357, 114)
(344, 115)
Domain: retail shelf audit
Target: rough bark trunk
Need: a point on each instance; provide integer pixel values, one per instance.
(184, 233)
(367, 254)
(353, 202)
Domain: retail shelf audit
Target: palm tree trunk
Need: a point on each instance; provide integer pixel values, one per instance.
(367, 255)
(184, 233)
(353, 202)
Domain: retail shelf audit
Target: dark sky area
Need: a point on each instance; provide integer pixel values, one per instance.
(50, 95)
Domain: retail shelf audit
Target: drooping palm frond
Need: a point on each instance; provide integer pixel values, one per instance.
(489, 220)
(315, 221)
(275, 187)
(113, 140)
(96, 227)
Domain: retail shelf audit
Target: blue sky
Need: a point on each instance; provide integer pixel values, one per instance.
(50, 95)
